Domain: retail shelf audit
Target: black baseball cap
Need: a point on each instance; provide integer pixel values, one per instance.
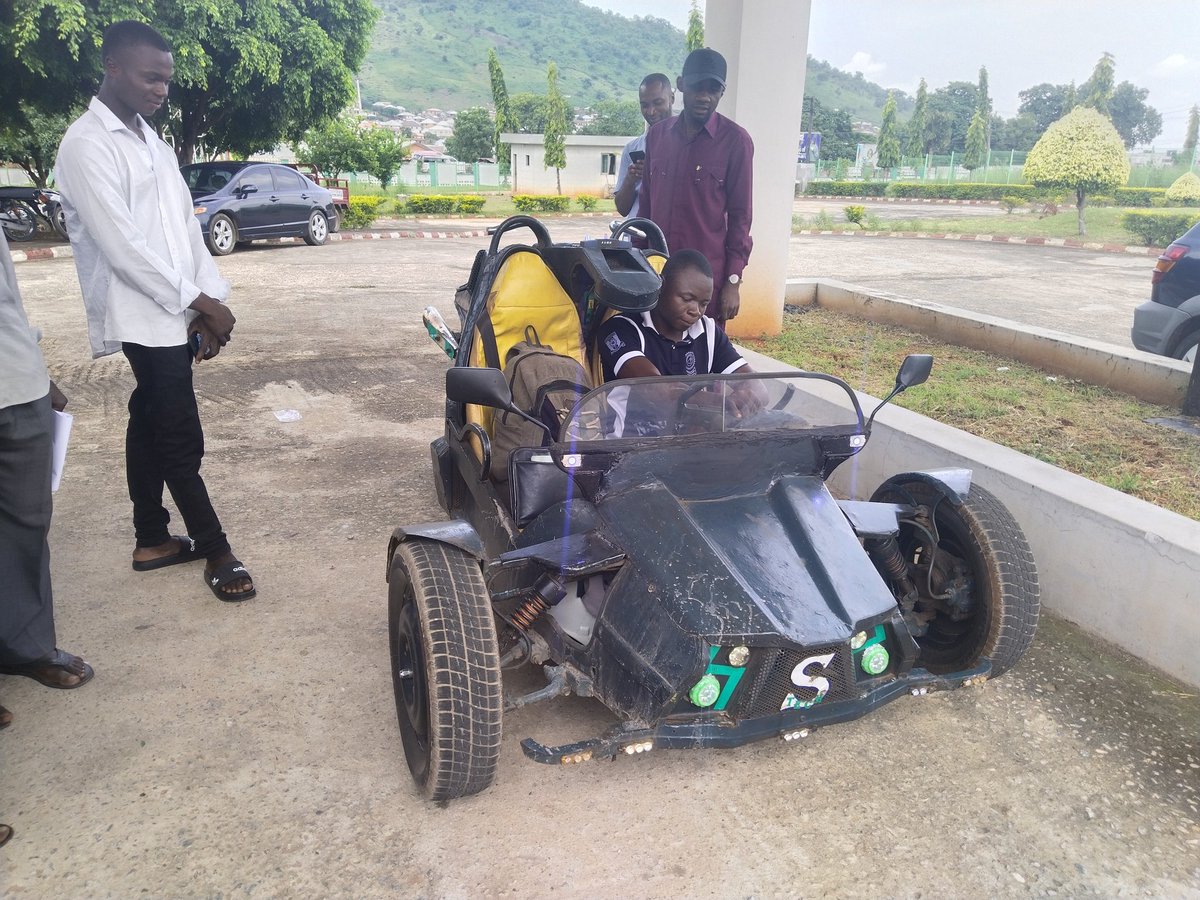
(705, 64)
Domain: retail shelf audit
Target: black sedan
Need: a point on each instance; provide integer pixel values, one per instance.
(238, 202)
(1169, 322)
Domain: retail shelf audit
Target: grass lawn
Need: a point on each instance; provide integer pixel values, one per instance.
(1094, 432)
(1103, 224)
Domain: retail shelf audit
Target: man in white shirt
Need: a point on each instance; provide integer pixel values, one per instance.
(152, 291)
(27, 640)
(656, 99)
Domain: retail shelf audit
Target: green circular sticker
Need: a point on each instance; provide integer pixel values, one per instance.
(875, 659)
(704, 693)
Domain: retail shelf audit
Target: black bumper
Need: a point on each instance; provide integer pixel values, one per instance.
(715, 731)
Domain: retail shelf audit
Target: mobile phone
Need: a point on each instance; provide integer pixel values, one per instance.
(637, 155)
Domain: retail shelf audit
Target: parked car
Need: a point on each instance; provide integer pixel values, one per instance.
(1169, 322)
(238, 202)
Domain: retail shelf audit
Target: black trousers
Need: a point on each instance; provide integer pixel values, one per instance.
(164, 445)
(26, 602)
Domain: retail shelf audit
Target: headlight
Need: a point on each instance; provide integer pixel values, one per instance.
(200, 209)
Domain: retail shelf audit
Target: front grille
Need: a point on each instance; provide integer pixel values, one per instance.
(773, 680)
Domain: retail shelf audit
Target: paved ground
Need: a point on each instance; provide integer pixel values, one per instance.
(252, 751)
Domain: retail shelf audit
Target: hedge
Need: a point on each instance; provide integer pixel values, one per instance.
(1144, 196)
(1157, 229)
(963, 190)
(541, 203)
(469, 203)
(431, 203)
(587, 202)
(361, 213)
(847, 188)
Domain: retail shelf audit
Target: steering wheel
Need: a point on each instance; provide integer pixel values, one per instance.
(697, 413)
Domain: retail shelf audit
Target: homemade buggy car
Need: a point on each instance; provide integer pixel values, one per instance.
(692, 572)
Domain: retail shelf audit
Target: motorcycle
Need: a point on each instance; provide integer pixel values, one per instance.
(23, 209)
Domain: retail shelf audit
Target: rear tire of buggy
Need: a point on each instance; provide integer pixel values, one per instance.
(982, 533)
(445, 668)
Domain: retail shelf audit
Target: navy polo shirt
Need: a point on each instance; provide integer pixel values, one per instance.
(704, 349)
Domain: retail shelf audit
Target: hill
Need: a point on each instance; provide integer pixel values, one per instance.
(433, 53)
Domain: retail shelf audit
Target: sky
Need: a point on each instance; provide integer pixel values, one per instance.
(895, 43)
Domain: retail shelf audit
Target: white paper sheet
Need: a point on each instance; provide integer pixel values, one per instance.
(62, 435)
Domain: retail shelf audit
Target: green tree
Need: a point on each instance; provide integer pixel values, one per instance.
(1046, 103)
(1193, 132)
(1018, 133)
(32, 139)
(247, 75)
(984, 106)
(838, 140)
(554, 137)
(1097, 91)
(504, 118)
(914, 140)
(887, 151)
(694, 39)
(332, 147)
(1081, 152)
(1136, 122)
(976, 150)
(380, 152)
(528, 112)
(474, 135)
(617, 118)
(950, 111)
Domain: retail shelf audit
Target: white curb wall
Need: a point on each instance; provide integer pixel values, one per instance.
(1155, 379)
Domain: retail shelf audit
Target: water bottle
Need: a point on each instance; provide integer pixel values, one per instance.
(438, 332)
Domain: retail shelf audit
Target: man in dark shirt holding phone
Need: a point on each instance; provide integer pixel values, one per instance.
(656, 99)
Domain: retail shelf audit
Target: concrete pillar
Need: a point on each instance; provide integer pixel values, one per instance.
(765, 43)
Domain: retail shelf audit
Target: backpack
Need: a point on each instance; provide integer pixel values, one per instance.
(546, 385)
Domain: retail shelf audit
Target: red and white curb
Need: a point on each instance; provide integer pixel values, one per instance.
(64, 252)
(994, 239)
(872, 199)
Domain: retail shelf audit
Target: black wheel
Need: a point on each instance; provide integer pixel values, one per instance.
(222, 235)
(1187, 347)
(18, 221)
(445, 668)
(976, 585)
(58, 218)
(317, 232)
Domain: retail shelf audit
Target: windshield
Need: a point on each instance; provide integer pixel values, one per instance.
(712, 404)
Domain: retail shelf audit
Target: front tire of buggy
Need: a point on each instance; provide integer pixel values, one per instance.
(445, 669)
(987, 546)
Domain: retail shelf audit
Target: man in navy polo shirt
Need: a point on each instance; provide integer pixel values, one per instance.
(674, 338)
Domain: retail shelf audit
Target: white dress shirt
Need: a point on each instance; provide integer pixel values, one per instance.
(138, 248)
(23, 375)
(638, 143)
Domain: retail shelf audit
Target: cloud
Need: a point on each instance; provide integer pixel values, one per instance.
(1173, 65)
(861, 61)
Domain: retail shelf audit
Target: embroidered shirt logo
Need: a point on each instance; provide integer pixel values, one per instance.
(613, 342)
(689, 362)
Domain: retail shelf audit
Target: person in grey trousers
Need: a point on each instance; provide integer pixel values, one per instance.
(28, 645)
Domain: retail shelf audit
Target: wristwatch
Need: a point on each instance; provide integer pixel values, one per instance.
(735, 279)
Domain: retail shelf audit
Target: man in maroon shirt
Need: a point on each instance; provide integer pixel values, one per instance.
(696, 182)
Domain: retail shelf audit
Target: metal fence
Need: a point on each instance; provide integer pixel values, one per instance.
(1150, 169)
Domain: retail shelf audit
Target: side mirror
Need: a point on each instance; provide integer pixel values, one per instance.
(244, 189)
(914, 370)
(482, 387)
